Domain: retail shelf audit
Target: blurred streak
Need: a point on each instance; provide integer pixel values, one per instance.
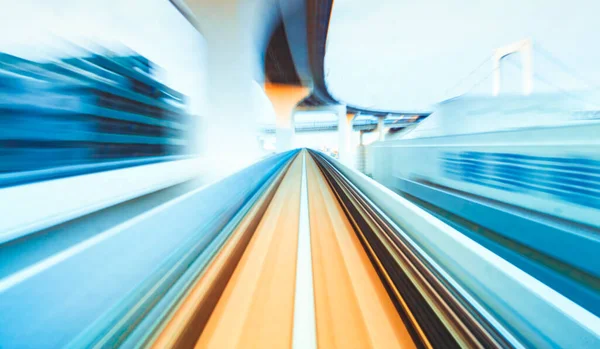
(92, 108)
(494, 234)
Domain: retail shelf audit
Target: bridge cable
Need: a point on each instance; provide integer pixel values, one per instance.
(477, 84)
(488, 75)
(560, 89)
(565, 68)
(468, 76)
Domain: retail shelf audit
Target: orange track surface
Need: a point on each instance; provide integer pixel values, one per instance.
(353, 309)
(257, 308)
(191, 316)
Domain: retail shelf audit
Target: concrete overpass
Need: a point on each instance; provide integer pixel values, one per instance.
(283, 43)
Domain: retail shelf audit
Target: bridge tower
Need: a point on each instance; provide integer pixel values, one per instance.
(525, 48)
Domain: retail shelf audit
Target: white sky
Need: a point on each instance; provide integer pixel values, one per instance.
(407, 55)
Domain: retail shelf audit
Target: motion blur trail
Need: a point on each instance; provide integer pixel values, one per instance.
(295, 251)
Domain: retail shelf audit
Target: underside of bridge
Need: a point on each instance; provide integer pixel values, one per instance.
(265, 58)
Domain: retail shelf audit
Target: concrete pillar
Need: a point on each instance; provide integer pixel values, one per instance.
(236, 34)
(344, 135)
(234, 100)
(381, 128)
(284, 99)
(361, 157)
(284, 139)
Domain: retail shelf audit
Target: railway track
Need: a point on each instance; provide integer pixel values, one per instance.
(363, 287)
(292, 253)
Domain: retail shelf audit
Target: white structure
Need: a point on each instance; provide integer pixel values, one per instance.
(345, 148)
(524, 47)
(344, 135)
(381, 128)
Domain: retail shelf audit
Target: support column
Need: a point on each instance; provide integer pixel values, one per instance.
(344, 134)
(234, 99)
(362, 154)
(381, 128)
(237, 34)
(284, 136)
(284, 99)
